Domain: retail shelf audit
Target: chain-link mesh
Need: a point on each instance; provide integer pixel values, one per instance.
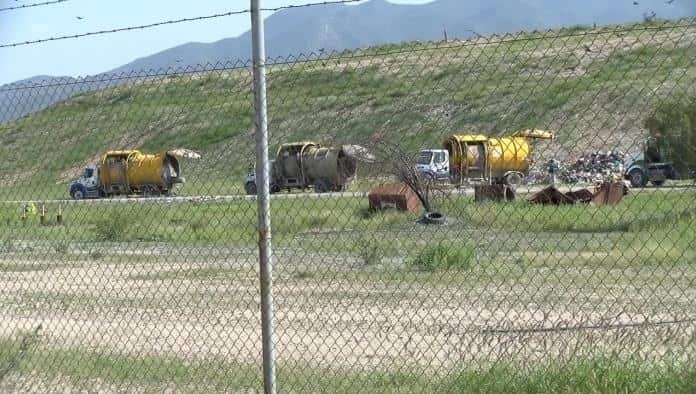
(536, 267)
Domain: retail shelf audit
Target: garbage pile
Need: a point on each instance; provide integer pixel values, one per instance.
(593, 168)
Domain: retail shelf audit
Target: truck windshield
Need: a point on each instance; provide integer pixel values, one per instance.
(424, 158)
(89, 172)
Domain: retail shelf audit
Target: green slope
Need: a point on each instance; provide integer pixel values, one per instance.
(593, 87)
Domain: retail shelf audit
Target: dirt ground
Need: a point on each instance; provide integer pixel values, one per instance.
(331, 312)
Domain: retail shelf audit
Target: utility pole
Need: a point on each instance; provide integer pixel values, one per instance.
(263, 198)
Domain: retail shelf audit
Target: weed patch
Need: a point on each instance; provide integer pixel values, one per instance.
(10, 358)
(371, 250)
(112, 228)
(304, 275)
(445, 255)
(601, 375)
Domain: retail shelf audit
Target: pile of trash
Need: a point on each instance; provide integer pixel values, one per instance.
(592, 168)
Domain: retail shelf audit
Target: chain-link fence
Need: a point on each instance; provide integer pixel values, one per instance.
(536, 268)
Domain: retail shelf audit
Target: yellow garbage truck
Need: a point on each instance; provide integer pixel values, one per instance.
(131, 172)
(467, 157)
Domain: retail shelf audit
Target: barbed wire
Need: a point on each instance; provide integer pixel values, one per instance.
(358, 53)
(288, 7)
(121, 29)
(168, 22)
(19, 7)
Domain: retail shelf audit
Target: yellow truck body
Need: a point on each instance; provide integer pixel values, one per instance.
(133, 171)
(492, 156)
(124, 172)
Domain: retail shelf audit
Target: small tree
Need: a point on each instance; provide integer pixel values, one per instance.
(672, 129)
(394, 160)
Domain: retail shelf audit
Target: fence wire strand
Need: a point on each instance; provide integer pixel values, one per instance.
(155, 24)
(32, 5)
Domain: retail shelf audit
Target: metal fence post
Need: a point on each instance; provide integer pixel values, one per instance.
(263, 197)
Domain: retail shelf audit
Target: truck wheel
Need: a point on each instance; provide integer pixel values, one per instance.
(514, 179)
(322, 185)
(250, 188)
(149, 191)
(638, 177)
(78, 193)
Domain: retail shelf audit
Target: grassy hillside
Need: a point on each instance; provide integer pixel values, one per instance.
(593, 87)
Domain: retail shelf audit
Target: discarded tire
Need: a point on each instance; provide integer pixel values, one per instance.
(434, 218)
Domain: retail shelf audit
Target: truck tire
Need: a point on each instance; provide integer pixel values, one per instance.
(514, 179)
(78, 193)
(429, 177)
(638, 177)
(322, 185)
(250, 188)
(150, 191)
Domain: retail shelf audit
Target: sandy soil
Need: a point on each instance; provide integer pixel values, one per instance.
(332, 320)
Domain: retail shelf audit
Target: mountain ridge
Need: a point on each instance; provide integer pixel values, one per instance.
(339, 27)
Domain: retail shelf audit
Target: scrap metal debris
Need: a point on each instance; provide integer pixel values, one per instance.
(184, 153)
(595, 167)
(393, 196)
(551, 196)
(581, 196)
(608, 193)
(493, 193)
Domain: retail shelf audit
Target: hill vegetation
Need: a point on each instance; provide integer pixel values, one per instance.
(337, 27)
(594, 87)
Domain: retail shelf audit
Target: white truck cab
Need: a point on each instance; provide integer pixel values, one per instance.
(434, 164)
(639, 170)
(87, 185)
(250, 179)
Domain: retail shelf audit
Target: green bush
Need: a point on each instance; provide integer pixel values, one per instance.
(445, 255)
(6, 245)
(198, 227)
(672, 128)
(61, 247)
(12, 357)
(372, 250)
(112, 227)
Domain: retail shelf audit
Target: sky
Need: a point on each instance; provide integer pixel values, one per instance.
(92, 55)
